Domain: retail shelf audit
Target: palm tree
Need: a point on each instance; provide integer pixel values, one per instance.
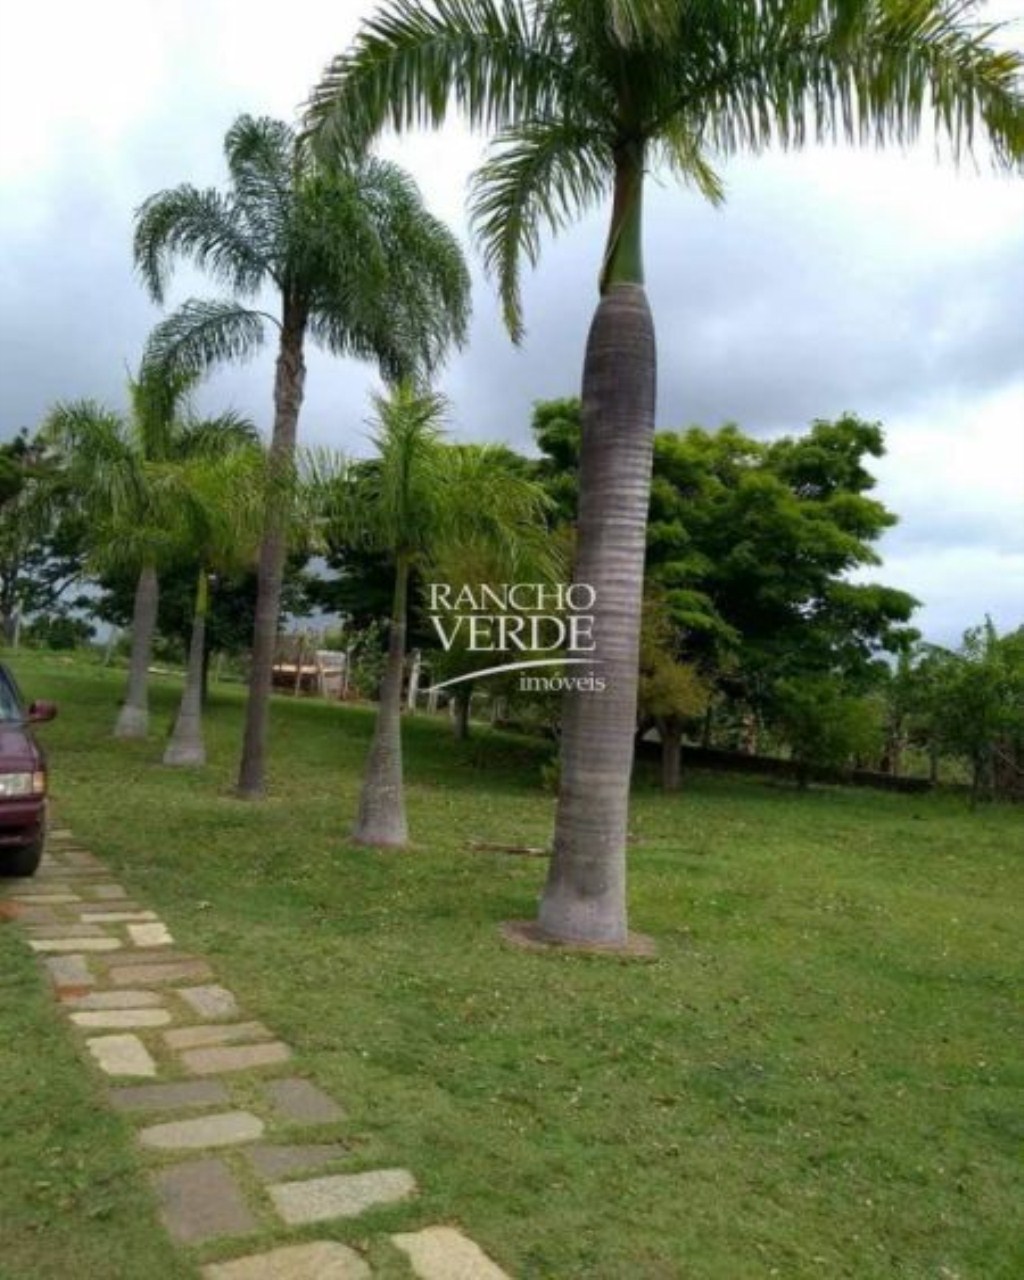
(415, 498)
(356, 264)
(104, 457)
(586, 98)
(213, 502)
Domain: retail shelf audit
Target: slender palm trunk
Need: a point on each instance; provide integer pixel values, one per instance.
(133, 719)
(671, 755)
(186, 746)
(584, 899)
(381, 819)
(289, 384)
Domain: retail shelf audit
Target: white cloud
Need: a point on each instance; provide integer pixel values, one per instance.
(833, 280)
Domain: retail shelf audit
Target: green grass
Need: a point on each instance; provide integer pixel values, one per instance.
(72, 1197)
(820, 1076)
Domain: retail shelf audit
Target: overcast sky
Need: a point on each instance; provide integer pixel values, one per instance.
(886, 284)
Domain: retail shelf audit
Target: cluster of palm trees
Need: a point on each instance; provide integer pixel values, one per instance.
(155, 486)
(584, 99)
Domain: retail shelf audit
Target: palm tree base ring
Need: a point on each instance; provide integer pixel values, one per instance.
(185, 756)
(526, 935)
(132, 722)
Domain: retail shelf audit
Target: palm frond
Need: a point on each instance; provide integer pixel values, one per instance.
(494, 60)
(203, 333)
(203, 227)
(212, 439)
(159, 396)
(678, 148)
(644, 22)
(262, 155)
(322, 498)
(389, 503)
(210, 507)
(860, 71)
(99, 460)
(498, 508)
(540, 173)
(388, 282)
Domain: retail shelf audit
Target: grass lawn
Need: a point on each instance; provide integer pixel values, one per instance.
(820, 1076)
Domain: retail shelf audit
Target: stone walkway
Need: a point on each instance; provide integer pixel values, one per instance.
(233, 1134)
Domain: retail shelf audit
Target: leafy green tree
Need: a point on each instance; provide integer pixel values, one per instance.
(751, 546)
(42, 537)
(673, 693)
(977, 702)
(910, 699)
(417, 496)
(540, 560)
(357, 265)
(59, 631)
(587, 97)
(756, 544)
(825, 725)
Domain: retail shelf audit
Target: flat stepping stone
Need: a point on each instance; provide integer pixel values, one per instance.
(341, 1195)
(122, 1055)
(76, 857)
(169, 1097)
(270, 1162)
(75, 872)
(11, 910)
(210, 1002)
(150, 935)
(442, 1253)
(208, 1062)
(45, 899)
(323, 1260)
(226, 1033)
(107, 892)
(200, 1200)
(30, 889)
(121, 1018)
(115, 917)
(186, 971)
(297, 1101)
(115, 999)
(149, 955)
(45, 931)
(75, 944)
(69, 971)
(226, 1129)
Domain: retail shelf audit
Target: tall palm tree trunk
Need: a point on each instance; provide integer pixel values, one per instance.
(289, 384)
(133, 718)
(584, 899)
(671, 755)
(186, 746)
(381, 819)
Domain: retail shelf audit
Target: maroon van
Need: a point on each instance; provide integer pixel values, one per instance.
(22, 781)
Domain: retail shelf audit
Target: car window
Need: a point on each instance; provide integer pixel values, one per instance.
(9, 705)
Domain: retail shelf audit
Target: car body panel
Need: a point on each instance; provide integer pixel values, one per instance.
(22, 818)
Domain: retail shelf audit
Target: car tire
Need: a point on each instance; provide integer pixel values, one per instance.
(24, 860)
